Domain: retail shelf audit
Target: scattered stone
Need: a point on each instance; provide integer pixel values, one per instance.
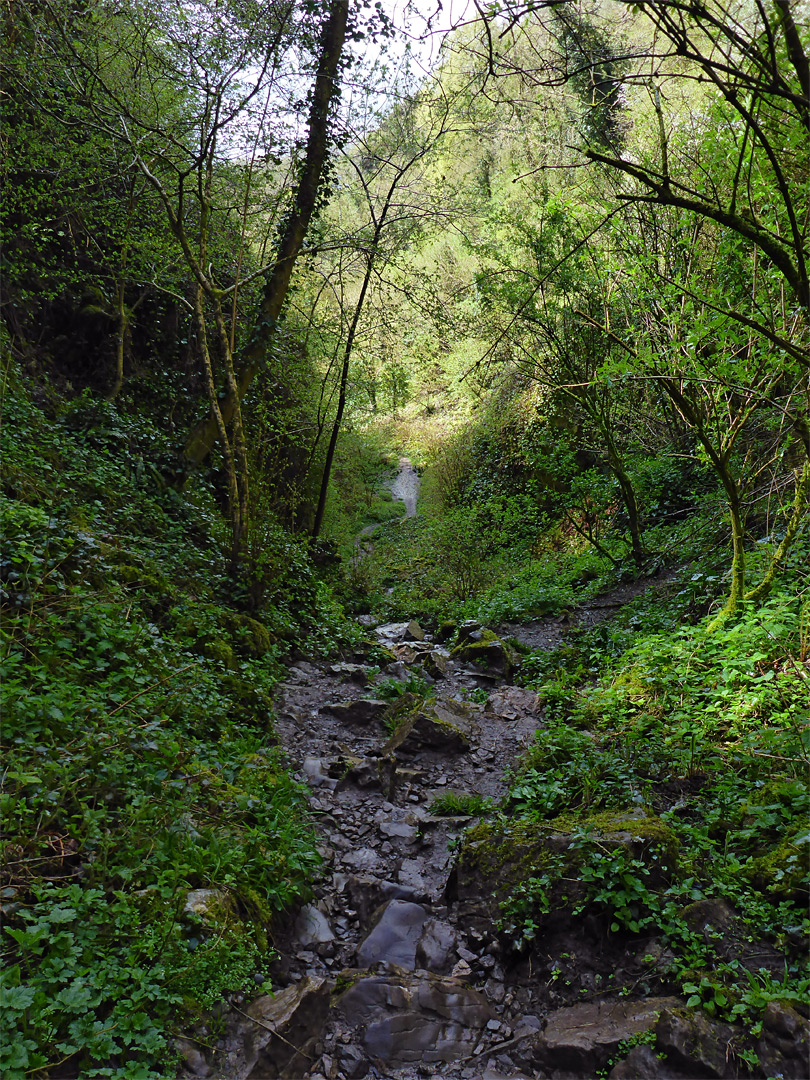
(355, 672)
(312, 927)
(404, 631)
(400, 830)
(303, 672)
(437, 663)
(365, 772)
(528, 1025)
(316, 771)
(399, 671)
(365, 858)
(352, 1062)
(512, 702)
(411, 875)
(193, 1060)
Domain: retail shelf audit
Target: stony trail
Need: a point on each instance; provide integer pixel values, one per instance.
(405, 486)
(396, 969)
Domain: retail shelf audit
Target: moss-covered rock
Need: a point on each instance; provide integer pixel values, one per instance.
(496, 859)
(785, 870)
(486, 650)
(446, 725)
(221, 652)
(249, 636)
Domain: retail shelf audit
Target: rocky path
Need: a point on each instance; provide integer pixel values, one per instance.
(433, 997)
(387, 974)
(405, 486)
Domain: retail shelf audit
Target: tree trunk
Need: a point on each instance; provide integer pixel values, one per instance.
(800, 501)
(628, 496)
(341, 404)
(737, 590)
(205, 433)
(210, 385)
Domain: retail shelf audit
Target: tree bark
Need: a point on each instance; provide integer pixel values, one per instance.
(800, 502)
(341, 403)
(205, 433)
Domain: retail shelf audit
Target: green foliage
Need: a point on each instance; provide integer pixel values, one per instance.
(140, 759)
(462, 804)
(392, 689)
(709, 731)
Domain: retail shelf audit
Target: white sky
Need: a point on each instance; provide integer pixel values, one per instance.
(424, 23)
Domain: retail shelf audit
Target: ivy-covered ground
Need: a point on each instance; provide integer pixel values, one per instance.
(139, 757)
(708, 734)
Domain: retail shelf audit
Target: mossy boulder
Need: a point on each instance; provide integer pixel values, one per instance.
(443, 725)
(487, 651)
(221, 652)
(249, 636)
(496, 859)
(784, 871)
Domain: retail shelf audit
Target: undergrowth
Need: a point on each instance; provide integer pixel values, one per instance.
(140, 761)
(706, 734)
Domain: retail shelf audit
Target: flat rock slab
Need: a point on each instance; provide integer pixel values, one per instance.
(362, 711)
(584, 1036)
(406, 1018)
